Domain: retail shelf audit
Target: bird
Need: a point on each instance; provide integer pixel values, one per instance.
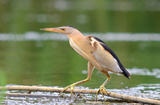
(96, 52)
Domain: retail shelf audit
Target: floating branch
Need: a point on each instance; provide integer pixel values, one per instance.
(84, 91)
(51, 96)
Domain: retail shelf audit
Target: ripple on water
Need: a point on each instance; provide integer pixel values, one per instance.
(143, 90)
(144, 71)
(104, 36)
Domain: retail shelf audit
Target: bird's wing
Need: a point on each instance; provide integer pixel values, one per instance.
(106, 57)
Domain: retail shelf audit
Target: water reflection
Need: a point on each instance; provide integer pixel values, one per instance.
(21, 16)
(45, 98)
(55, 63)
(34, 36)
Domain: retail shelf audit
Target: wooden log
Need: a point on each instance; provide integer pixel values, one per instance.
(84, 91)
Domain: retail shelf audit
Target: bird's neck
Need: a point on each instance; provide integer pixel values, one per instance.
(75, 34)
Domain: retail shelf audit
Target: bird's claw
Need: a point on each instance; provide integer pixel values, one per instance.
(101, 90)
(67, 87)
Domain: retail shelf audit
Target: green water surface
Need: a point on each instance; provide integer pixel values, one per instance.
(55, 63)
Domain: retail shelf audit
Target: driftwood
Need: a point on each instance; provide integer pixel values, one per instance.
(84, 91)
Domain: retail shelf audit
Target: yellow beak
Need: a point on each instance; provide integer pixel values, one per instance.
(52, 29)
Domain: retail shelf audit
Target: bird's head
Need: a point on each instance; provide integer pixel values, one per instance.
(64, 29)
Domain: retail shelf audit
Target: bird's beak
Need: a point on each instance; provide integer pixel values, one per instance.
(52, 29)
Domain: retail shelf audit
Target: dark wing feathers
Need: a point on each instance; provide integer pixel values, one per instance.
(98, 39)
(125, 72)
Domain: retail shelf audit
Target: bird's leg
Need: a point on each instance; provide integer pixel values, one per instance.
(90, 70)
(102, 88)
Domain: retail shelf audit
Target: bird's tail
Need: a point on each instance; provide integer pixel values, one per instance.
(126, 73)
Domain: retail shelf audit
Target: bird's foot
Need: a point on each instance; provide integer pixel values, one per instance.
(101, 90)
(67, 87)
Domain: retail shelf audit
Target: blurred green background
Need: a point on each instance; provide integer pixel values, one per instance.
(88, 15)
(54, 62)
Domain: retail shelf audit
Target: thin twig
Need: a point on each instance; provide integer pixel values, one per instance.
(84, 91)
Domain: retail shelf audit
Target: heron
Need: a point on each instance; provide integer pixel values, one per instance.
(95, 51)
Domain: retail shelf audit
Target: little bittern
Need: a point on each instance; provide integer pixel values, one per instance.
(95, 51)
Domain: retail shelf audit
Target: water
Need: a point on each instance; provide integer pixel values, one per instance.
(47, 98)
(20, 16)
(105, 36)
(30, 60)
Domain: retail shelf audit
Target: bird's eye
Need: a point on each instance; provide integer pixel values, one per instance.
(62, 29)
